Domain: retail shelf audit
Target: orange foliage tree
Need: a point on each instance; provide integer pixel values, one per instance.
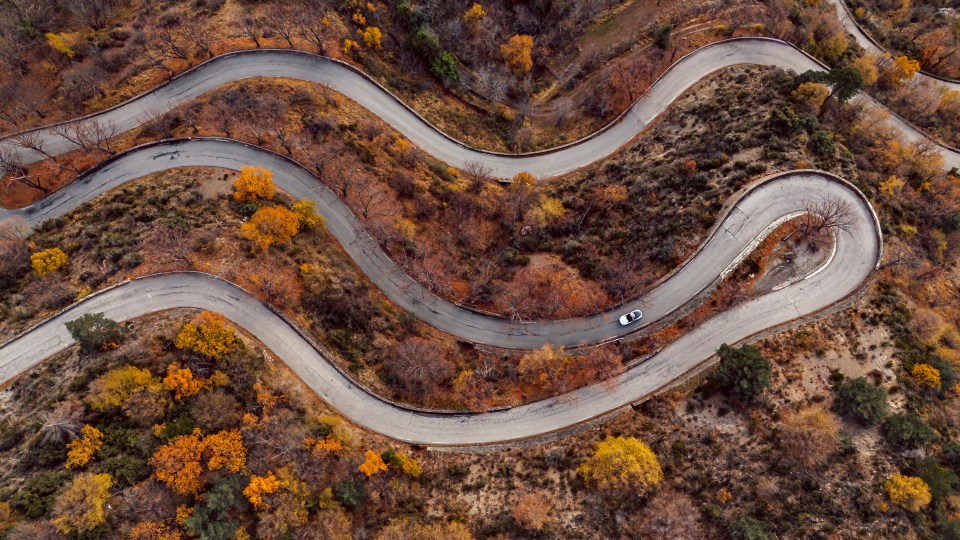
(177, 463)
(271, 225)
(254, 183)
(82, 449)
(225, 450)
(516, 54)
(531, 511)
(372, 464)
(183, 384)
(154, 530)
(209, 335)
(260, 486)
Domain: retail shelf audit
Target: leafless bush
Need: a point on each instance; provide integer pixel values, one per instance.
(831, 214)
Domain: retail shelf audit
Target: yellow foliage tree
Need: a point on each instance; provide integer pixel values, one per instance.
(48, 261)
(901, 70)
(177, 463)
(271, 225)
(306, 211)
(154, 530)
(209, 335)
(524, 178)
(254, 183)
(349, 46)
(547, 211)
(890, 186)
(225, 450)
(405, 464)
(926, 376)
(538, 363)
(867, 66)
(516, 54)
(405, 228)
(908, 492)
(622, 463)
(113, 388)
(373, 464)
(82, 449)
(260, 486)
(811, 95)
(406, 529)
(475, 14)
(372, 37)
(59, 43)
(79, 508)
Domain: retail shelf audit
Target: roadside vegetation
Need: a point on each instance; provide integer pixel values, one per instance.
(844, 426)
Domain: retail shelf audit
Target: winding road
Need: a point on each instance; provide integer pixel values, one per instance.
(741, 226)
(857, 254)
(354, 84)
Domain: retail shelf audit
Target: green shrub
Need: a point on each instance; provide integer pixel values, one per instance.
(95, 332)
(743, 373)
(35, 498)
(860, 401)
(126, 470)
(444, 66)
(939, 479)
(906, 430)
(211, 520)
(822, 143)
(661, 38)
(351, 493)
(747, 528)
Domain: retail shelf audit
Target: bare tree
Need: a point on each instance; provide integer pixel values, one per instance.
(170, 43)
(14, 250)
(830, 214)
(93, 13)
(90, 134)
(284, 139)
(342, 173)
(478, 173)
(198, 34)
(13, 48)
(671, 514)
(371, 198)
(173, 244)
(492, 82)
(280, 19)
(312, 25)
(13, 170)
(418, 366)
(249, 27)
(62, 423)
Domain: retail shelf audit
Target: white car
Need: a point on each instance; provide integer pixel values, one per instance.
(631, 317)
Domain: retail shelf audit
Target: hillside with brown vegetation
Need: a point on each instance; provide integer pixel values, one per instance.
(841, 427)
